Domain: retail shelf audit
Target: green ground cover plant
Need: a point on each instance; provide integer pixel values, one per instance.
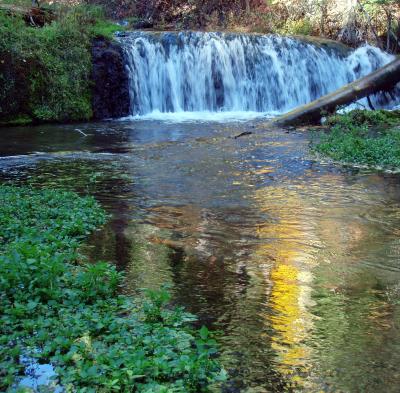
(58, 309)
(369, 138)
(45, 72)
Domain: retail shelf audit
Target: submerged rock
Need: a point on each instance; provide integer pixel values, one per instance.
(110, 90)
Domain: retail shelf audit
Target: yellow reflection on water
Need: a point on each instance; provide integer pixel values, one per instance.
(290, 278)
(291, 320)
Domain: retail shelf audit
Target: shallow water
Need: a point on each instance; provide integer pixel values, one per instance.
(294, 261)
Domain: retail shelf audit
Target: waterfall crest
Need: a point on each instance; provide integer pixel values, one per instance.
(218, 72)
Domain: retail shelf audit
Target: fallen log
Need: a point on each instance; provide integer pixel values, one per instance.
(383, 79)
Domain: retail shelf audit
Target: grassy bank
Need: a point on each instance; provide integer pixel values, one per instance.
(45, 72)
(370, 138)
(57, 309)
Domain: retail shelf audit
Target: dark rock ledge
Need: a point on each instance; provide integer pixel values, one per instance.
(110, 79)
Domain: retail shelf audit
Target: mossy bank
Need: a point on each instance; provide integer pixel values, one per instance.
(59, 72)
(360, 137)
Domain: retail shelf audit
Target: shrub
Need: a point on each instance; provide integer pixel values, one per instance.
(297, 27)
(363, 117)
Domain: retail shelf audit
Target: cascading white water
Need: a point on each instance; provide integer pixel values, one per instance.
(217, 72)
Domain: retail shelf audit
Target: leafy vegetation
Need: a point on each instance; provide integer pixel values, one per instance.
(45, 72)
(57, 309)
(362, 137)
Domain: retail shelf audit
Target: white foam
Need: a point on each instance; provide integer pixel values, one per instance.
(202, 116)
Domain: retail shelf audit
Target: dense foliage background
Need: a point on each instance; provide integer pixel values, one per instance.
(351, 21)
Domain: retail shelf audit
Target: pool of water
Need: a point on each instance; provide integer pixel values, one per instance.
(294, 262)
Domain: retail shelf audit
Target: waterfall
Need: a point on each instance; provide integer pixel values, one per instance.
(218, 72)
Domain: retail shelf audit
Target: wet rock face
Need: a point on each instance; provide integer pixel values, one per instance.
(110, 79)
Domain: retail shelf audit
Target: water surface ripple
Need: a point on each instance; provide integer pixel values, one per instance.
(295, 262)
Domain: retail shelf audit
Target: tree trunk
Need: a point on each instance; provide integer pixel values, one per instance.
(248, 7)
(389, 29)
(371, 25)
(383, 79)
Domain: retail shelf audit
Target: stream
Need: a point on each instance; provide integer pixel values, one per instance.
(293, 261)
